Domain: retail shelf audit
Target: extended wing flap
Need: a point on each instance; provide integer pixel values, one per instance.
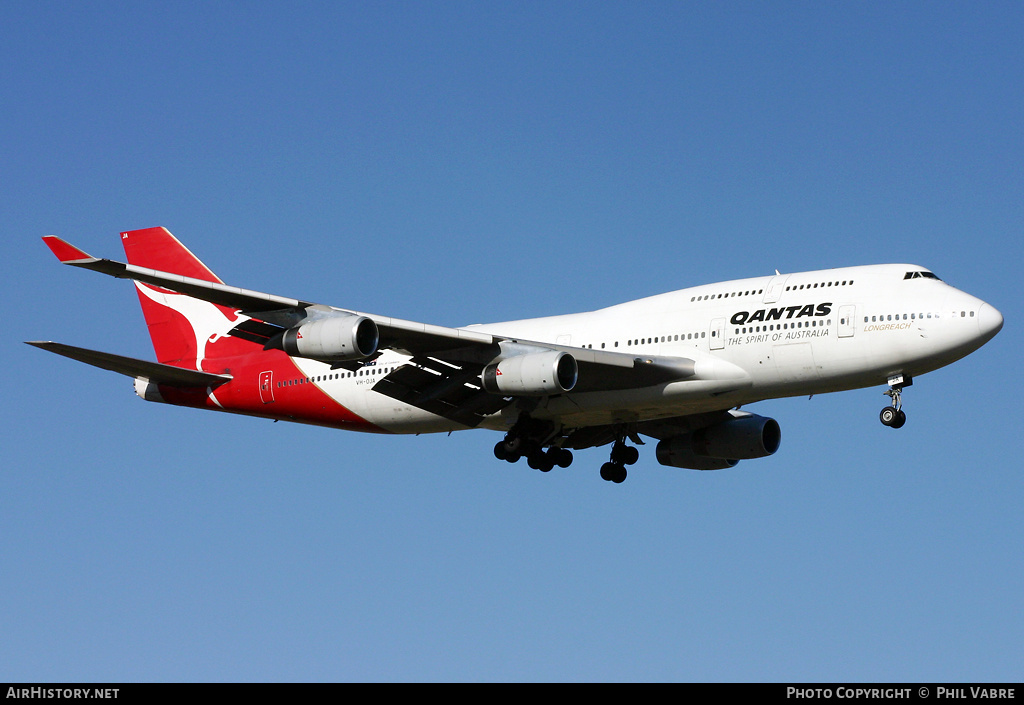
(450, 391)
(132, 367)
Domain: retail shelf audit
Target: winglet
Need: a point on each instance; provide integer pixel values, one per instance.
(66, 252)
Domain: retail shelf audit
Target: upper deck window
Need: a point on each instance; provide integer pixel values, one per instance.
(920, 275)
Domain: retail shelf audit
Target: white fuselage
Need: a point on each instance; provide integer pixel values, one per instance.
(760, 338)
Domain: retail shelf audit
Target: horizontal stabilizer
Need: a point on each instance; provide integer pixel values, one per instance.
(153, 371)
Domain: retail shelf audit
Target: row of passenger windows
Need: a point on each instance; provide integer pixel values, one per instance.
(904, 317)
(666, 339)
(362, 372)
(793, 287)
(708, 297)
(656, 339)
(913, 316)
(813, 323)
(822, 285)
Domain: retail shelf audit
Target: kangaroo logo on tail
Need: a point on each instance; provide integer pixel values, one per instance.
(185, 331)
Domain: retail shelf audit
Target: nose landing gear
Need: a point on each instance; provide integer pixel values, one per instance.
(893, 416)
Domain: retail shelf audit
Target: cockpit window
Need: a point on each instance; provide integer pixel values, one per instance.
(920, 275)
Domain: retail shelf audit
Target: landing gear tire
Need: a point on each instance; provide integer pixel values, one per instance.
(561, 456)
(887, 416)
(613, 472)
(513, 445)
(624, 455)
(540, 460)
(893, 418)
(546, 460)
(510, 449)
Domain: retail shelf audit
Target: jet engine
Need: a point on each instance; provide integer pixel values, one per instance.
(532, 374)
(333, 338)
(678, 452)
(723, 444)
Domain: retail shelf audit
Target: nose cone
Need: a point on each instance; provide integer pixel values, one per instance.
(990, 321)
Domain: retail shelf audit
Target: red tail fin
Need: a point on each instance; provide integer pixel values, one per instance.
(181, 327)
(156, 248)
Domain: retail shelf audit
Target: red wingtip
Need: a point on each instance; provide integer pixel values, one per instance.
(65, 252)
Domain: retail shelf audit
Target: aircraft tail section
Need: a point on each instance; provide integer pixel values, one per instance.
(151, 371)
(156, 248)
(185, 331)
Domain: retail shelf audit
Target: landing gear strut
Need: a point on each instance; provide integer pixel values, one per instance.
(893, 416)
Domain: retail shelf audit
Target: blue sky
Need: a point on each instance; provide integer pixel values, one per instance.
(468, 162)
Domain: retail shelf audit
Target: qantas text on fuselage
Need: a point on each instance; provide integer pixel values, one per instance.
(777, 314)
(677, 367)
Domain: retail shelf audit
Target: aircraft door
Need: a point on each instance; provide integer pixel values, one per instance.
(717, 334)
(267, 387)
(795, 362)
(846, 322)
(775, 287)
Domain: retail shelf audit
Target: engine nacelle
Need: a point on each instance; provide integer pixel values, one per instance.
(338, 337)
(532, 374)
(741, 438)
(722, 445)
(678, 452)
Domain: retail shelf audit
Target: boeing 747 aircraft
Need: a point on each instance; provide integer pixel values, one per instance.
(676, 367)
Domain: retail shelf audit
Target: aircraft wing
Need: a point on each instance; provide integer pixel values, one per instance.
(277, 311)
(450, 386)
(444, 374)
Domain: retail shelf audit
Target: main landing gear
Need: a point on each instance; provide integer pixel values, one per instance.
(527, 438)
(515, 447)
(622, 455)
(893, 416)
